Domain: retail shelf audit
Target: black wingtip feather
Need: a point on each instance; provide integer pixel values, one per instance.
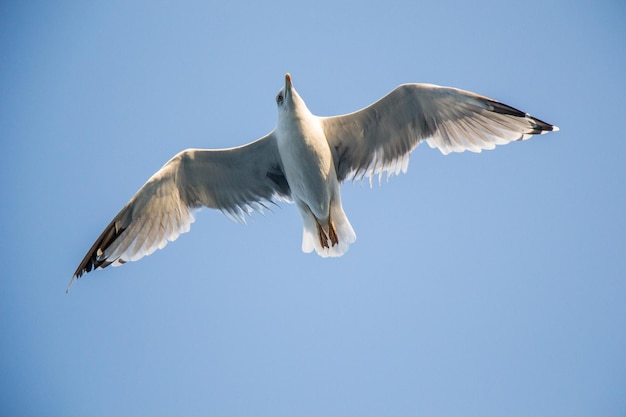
(92, 260)
(539, 126)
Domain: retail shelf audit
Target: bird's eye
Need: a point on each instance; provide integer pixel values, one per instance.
(279, 98)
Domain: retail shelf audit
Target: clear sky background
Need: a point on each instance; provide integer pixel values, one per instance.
(487, 284)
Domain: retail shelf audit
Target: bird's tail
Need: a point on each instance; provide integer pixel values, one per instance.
(329, 238)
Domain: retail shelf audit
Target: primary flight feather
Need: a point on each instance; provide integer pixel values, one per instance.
(304, 160)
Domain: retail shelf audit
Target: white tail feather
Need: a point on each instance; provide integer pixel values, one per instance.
(343, 228)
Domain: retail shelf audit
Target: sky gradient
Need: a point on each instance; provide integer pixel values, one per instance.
(486, 284)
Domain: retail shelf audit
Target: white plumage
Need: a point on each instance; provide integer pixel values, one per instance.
(304, 160)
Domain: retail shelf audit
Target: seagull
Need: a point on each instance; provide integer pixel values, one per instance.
(304, 161)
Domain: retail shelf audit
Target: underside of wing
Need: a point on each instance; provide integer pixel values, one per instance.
(380, 137)
(236, 181)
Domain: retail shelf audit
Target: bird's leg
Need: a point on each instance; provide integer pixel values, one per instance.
(323, 236)
(334, 240)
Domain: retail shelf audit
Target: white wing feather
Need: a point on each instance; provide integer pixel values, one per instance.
(380, 137)
(236, 181)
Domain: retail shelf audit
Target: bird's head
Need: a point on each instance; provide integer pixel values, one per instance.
(288, 99)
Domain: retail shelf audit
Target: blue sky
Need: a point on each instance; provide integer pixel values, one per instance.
(484, 284)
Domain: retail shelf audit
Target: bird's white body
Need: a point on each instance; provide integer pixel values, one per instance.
(310, 171)
(304, 160)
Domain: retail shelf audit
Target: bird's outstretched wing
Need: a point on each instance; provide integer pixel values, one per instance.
(235, 181)
(381, 136)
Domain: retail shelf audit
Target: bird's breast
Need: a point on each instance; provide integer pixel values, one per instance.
(307, 159)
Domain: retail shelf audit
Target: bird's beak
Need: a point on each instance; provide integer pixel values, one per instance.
(288, 81)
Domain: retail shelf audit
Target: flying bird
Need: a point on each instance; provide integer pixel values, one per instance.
(304, 161)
